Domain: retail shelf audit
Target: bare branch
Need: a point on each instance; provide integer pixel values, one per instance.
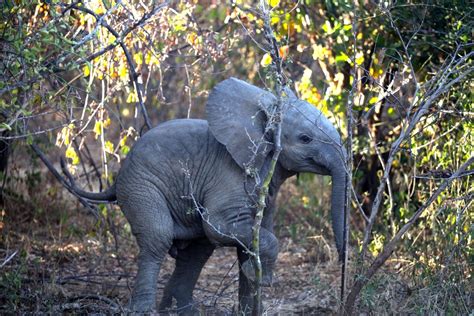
(450, 75)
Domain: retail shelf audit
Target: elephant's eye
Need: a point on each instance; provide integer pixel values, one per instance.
(305, 139)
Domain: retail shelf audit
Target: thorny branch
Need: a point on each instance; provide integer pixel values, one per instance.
(275, 126)
(349, 166)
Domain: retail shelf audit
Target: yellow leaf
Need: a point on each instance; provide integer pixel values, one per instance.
(327, 28)
(123, 71)
(138, 57)
(192, 38)
(319, 52)
(107, 122)
(289, 27)
(97, 129)
(86, 70)
(132, 97)
(112, 72)
(64, 136)
(82, 19)
(250, 17)
(109, 147)
(274, 3)
(373, 100)
(151, 59)
(342, 57)
(359, 59)
(112, 38)
(125, 149)
(305, 200)
(71, 154)
(266, 60)
(339, 81)
(99, 10)
(275, 19)
(123, 141)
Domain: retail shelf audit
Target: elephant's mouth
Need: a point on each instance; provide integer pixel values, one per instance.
(318, 167)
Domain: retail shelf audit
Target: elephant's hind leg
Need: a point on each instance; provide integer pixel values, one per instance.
(152, 226)
(189, 263)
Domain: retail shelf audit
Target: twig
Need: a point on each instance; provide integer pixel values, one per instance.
(10, 257)
(32, 133)
(349, 167)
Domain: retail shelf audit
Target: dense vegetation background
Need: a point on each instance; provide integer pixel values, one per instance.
(86, 79)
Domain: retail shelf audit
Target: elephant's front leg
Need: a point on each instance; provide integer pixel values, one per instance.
(240, 235)
(189, 263)
(245, 286)
(268, 254)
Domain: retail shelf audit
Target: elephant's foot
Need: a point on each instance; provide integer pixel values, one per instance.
(165, 304)
(187, 308)
(249, 271)
(143, 304)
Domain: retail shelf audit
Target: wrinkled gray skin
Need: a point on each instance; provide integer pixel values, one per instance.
(156, 195)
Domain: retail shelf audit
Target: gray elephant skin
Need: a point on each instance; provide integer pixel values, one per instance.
(185, 188)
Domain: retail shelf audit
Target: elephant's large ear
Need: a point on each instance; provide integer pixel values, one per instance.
(236, 116)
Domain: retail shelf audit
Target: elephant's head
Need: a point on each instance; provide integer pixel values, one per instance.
(237, 116)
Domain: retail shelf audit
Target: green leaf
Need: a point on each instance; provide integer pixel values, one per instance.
(5, 126)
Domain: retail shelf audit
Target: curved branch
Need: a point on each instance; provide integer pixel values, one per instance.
(63, 181)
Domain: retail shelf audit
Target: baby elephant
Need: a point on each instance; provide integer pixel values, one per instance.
(186, 186)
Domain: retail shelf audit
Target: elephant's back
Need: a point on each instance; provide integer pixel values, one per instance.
(175, 137)
(170, 144)
(173, 130)
(170, 157)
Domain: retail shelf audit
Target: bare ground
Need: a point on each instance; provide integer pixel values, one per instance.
(52, 273)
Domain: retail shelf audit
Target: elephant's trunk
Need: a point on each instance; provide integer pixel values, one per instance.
(338, 202)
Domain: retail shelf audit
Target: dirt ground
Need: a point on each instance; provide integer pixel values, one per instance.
(57, 259)
(84, 276)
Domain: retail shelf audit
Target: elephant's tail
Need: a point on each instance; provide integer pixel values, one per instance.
(106, 196)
